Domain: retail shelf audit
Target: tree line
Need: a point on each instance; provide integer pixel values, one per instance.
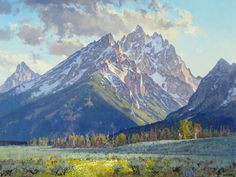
(187, 130)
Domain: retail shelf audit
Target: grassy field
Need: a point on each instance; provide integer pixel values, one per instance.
(169, 158)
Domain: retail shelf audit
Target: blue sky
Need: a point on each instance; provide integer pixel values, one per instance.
(45, 32)
(216, 20)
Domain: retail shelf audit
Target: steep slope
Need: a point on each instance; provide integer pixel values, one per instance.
(77, 109)
(212, 105)
(22, 74)
(116, 80)
(157, 58)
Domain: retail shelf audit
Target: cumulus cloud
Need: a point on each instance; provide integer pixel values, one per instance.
(65, 47)
(5, 7)
(71, 21)
(186, 21)
(98, 17)
(9, 61)
(30, 35)
(5, 33)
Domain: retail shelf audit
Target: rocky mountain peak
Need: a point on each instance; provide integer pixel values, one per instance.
(139, 29)
(156, 57)
(134, 39)
(222, 61)
(217, 88)
(107, 39)
(221, 65)
(22, 67)
(157, 36)
(22, 74)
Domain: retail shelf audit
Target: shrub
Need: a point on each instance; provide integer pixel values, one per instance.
(189, 173)
(62, 168)
(8, 169)
(155, 168)
(166, 163)
(117, 168)
(137, 166)
(33, 168)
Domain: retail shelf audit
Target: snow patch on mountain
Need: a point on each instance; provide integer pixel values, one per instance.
(155, 42)
(231, 96)
(159, 79)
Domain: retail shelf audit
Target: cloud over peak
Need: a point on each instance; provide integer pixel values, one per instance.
(98, 17)
(64, 47)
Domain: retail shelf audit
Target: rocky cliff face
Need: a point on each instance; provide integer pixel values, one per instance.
(22, 74)
(157, 58)
(212, 105)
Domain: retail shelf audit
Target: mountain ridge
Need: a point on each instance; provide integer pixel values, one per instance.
(140, 77)
(212, 105)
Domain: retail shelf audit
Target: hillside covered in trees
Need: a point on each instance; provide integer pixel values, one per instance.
(187, 130)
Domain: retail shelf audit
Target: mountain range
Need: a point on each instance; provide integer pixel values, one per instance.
(212, 105)
(105, 87)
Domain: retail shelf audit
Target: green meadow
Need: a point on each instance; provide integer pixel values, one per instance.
(202, 157)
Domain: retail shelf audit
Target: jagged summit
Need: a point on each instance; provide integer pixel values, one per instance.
(157, 35)
(22, 74)
(108, 38)
(21, 67)
(139, 29)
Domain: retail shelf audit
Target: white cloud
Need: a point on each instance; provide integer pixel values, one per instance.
(186, 21)
(64, 47)
(30, 35)
(86, 18)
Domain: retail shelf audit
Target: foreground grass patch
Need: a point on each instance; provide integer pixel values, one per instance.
(97, 168)
(112, 168)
